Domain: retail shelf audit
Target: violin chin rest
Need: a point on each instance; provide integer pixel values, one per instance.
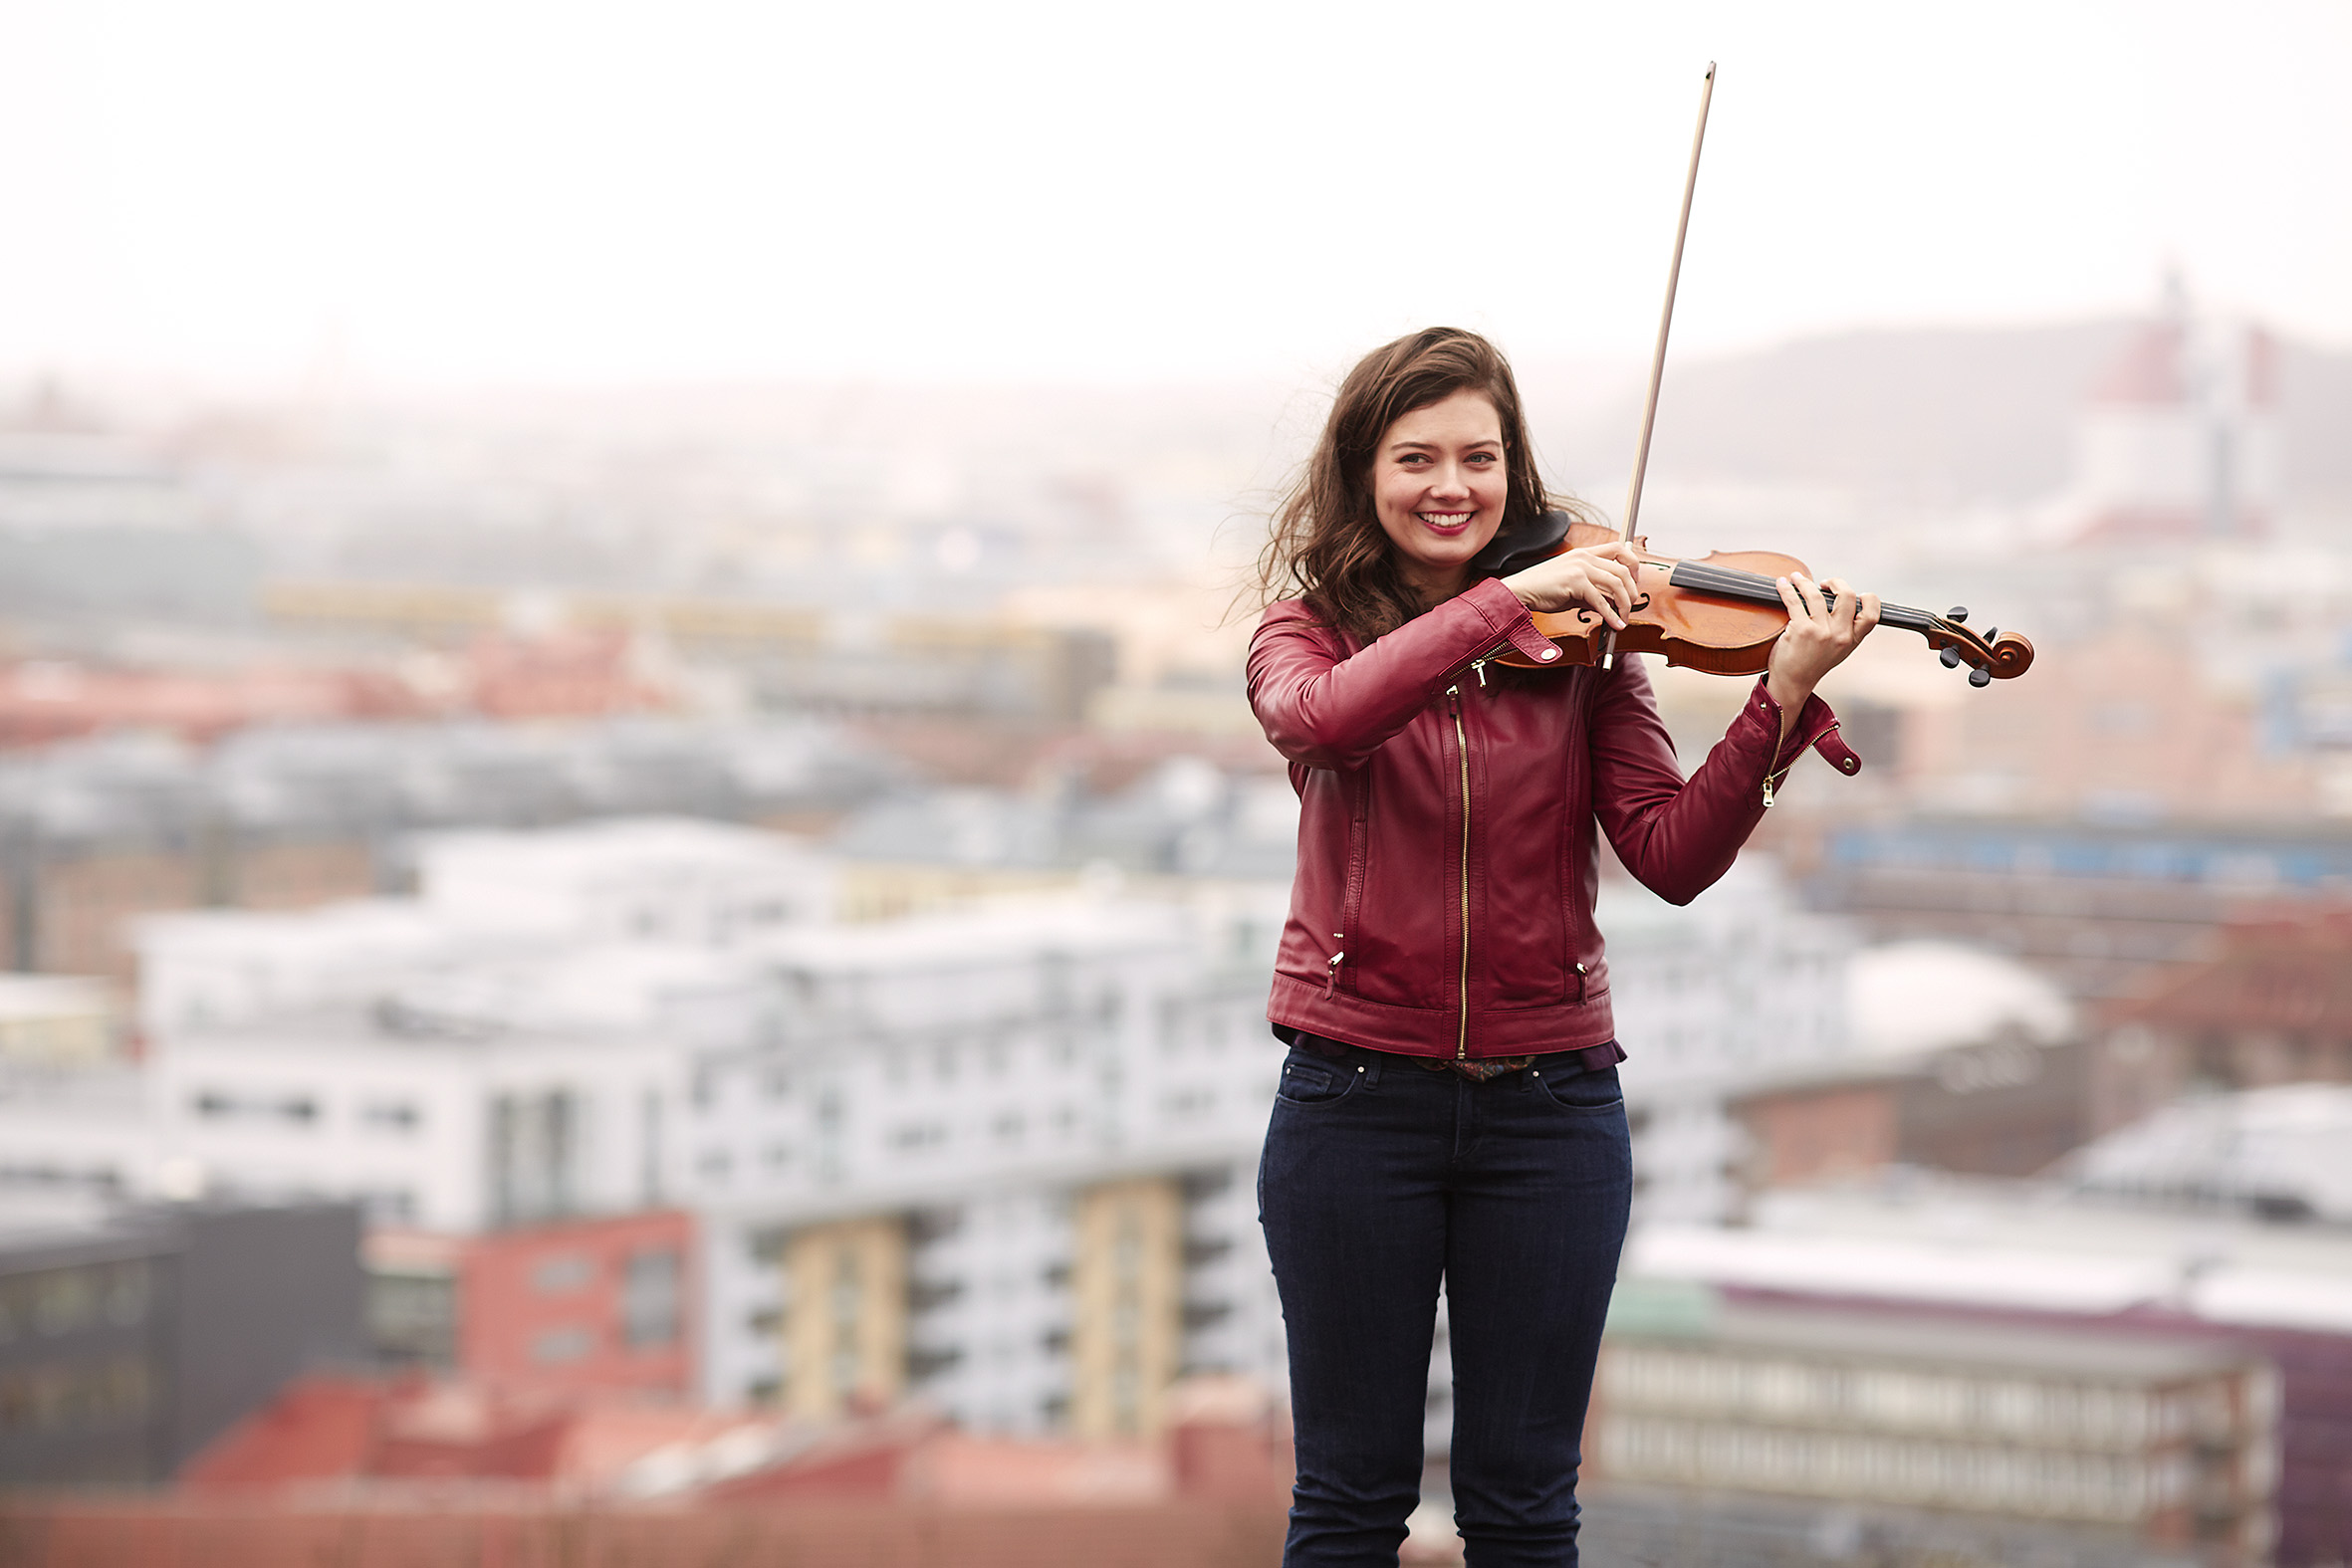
(1515, 549)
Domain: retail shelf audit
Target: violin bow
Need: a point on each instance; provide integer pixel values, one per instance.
(1649, 408)
(1991, 655)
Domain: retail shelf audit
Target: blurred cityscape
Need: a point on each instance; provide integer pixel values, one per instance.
(688, 969)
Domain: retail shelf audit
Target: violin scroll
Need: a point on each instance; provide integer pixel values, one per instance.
(1991, 655)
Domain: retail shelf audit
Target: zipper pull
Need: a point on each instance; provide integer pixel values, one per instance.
(1477, 667)
(1332, 972)
(1767, 792)
(1454, 699)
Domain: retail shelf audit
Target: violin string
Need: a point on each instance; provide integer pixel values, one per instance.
(1731, 583)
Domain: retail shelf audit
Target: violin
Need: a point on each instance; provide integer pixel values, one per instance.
(1722, 612)
(1719, 613)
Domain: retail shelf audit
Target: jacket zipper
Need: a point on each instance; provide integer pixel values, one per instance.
(1774, 776)
(1462, 755)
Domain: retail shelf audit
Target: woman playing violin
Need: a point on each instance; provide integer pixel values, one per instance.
(1449, 1109)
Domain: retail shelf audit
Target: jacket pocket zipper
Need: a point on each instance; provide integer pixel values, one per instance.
(1331, 966)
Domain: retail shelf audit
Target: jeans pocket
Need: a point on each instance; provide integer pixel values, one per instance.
(1309, 1080)
(1583, 1091)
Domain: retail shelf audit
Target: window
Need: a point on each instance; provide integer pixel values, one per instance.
(562, 1273)
(1187, 1103)
(556, 1346)
(130, 1292)
(397, 1116)
(66, 1299)
(649, 1298)
(64, 1396)
(223, 1105)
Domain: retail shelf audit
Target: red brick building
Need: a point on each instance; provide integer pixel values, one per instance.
(1998, 1107)
(577, 1308)
(587, 1305)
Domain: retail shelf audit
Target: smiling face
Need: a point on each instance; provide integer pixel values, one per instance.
(1439, 486)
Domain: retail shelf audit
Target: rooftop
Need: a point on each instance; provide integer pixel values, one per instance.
(1960, 1346)
(1908, 998)
(2279, 1151)
(2033, 1247)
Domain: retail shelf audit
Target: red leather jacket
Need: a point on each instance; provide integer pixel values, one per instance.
(1447, 866)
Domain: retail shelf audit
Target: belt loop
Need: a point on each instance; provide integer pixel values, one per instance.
(1369, 1062)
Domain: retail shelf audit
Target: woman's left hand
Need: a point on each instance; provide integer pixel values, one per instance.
(1818, 639)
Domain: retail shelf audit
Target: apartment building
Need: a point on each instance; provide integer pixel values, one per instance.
(1002, 1159)
(2159, 1241)
(2167, 1443)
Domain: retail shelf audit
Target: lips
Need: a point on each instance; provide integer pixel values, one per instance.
(1444, 521)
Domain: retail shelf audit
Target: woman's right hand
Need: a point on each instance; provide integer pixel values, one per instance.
(1599, 576)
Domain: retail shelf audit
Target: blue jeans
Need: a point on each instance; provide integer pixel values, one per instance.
(1381, 1177)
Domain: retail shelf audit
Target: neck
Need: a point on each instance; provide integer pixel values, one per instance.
(1433, 589)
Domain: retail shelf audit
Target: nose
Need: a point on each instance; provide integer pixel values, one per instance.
(1449, 481)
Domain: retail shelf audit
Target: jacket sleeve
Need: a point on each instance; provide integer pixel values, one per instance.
(1678, 836)
(1324, 707)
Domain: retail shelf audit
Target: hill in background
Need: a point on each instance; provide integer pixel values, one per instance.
(1949, 415)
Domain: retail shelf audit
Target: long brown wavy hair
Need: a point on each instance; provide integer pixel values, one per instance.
(1326, 546)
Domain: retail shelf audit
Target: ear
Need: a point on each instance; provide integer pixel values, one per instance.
(1514, 548)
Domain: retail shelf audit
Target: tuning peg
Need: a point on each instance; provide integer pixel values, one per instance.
(1950, 658)
(1958, 614)
(1980, 676)
(1990, 632)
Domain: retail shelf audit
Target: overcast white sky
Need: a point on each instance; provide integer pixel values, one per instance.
(453, 191)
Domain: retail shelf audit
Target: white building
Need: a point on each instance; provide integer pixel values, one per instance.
(659, 879)
(2180, 439)
(459, 1097)
(81, 1126)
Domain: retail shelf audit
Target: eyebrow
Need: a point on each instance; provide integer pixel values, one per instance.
(1431, 446)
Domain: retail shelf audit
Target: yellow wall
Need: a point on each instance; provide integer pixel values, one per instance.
(844, 1317)
(1127, 1306)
